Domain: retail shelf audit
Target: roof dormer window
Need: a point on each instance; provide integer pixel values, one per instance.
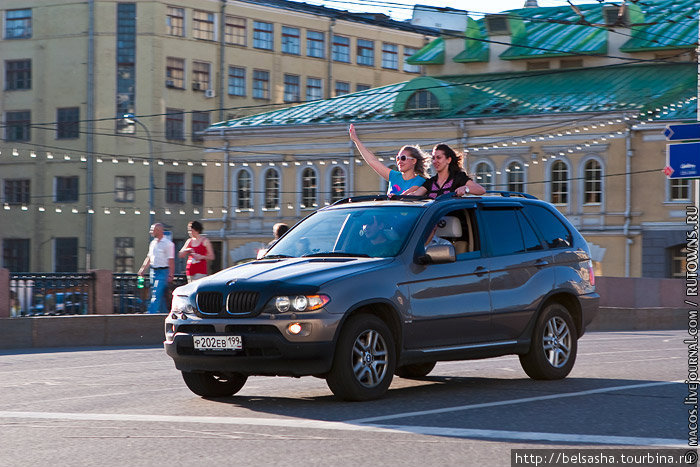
(423, 101)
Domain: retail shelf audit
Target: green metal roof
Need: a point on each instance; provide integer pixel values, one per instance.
(432, 54)
(671, 24)
(476, 49)
(590, 90)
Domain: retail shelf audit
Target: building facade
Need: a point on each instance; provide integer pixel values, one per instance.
(567, 105)
(80, 183)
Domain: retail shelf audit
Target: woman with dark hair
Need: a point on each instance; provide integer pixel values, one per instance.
(449, 178)
(198, 250)
(410, 160)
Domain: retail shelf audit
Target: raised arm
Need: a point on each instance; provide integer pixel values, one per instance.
(369, 157)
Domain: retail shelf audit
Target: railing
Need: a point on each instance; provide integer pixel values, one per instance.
(39, 294)
(129, 298)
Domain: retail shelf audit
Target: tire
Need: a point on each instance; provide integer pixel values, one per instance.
(364, 360)
(214, 384)
(415, 370)
(554, 344)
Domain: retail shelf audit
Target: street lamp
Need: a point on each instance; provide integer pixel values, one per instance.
(130, 119)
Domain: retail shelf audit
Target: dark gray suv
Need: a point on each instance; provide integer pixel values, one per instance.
(371, 287)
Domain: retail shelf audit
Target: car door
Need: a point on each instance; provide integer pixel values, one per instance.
(520, 268)
(449, 303)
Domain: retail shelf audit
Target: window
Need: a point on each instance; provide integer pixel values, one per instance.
(365, 52)
(235, 31)
(515, 175)
(592, 183)
(236, 81)
(337, 184)
(272, 189)
(68, 126)
(342, 88)
(291, 88)
(423, 100)
(175, 21)
(200, 122)
(308, 188)
(261, 84)
(503, 232)
(66, 254)
(15, 254)
(17, 126)
(201, 72)
(244, 184)
(341, 49)
(291, 40)
(407, 67)
(18, 24)
(484, 175)
(315, 44)
(560, 183)
(17, 191)
(263, 37)
(314, 89)
(203, 25)
(533, 66)
(553, 230)
(175, 187)
(124, 254)
(66, 189)
(174, 124)
(198, 189)
(571, 63)
(125, 45)
(362, 87)
(18, 74)
(175, 73)
(678, 256)
(679, 189)
(124, 188)
(390, 56)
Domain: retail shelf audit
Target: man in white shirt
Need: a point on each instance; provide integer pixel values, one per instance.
(161, 259)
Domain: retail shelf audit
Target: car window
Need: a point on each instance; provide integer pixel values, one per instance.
(376, 232)
(532, 242)
(502, 231)
(553, 230)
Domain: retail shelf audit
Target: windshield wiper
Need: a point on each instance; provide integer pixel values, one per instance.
(336, 253)
(276, 256)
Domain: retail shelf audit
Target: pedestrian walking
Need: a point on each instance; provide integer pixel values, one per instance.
(198, 251)
(161, 260)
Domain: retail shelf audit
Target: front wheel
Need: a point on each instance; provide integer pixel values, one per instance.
(364, 361)
(553, 349)
(208, 384)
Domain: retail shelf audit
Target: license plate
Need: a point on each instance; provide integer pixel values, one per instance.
(218, 342)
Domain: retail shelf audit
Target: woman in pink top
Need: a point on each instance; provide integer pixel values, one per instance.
(198, 250)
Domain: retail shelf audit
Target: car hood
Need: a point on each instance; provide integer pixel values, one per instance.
(306, 272)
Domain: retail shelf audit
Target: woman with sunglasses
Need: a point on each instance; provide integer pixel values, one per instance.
(449, 178)
(410, 160)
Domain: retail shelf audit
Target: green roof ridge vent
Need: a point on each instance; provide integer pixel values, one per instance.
(431, 54)
(476, 47)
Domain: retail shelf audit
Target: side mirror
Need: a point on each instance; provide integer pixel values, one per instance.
(437, 254)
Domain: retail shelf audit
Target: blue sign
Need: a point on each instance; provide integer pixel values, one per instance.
(682, 132)
(683, 160)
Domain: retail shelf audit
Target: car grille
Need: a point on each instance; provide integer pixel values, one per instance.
(242, 302)
(210, 303)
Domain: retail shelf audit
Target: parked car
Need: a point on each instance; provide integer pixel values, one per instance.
(359, 291)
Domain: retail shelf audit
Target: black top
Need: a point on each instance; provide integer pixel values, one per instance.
(451, 184)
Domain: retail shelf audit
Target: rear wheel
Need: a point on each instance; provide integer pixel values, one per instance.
(553, 349)
(364, 361)
(415, 370)
(208, 384)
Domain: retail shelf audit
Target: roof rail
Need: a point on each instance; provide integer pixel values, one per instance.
(359, 199)
(508, 194)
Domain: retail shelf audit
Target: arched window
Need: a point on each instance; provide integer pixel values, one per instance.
(337, 184)
(423, 100)
(272, 189)
(592, 182)
(244, 185)
(560, 183)
(484, 175)
(308, 188)
(515, 175)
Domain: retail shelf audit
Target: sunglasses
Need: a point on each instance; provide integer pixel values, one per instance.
(403, 158)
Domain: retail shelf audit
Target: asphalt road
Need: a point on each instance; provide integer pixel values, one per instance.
(130, 407)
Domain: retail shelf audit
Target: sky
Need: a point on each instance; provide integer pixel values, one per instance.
(402, 9)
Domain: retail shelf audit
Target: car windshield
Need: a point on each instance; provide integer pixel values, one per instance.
(375, 232)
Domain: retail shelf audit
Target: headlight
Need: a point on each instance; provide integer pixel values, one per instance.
(182, 304)
(298, 303)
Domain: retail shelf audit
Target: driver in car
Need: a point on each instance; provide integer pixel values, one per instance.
(377, 244)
